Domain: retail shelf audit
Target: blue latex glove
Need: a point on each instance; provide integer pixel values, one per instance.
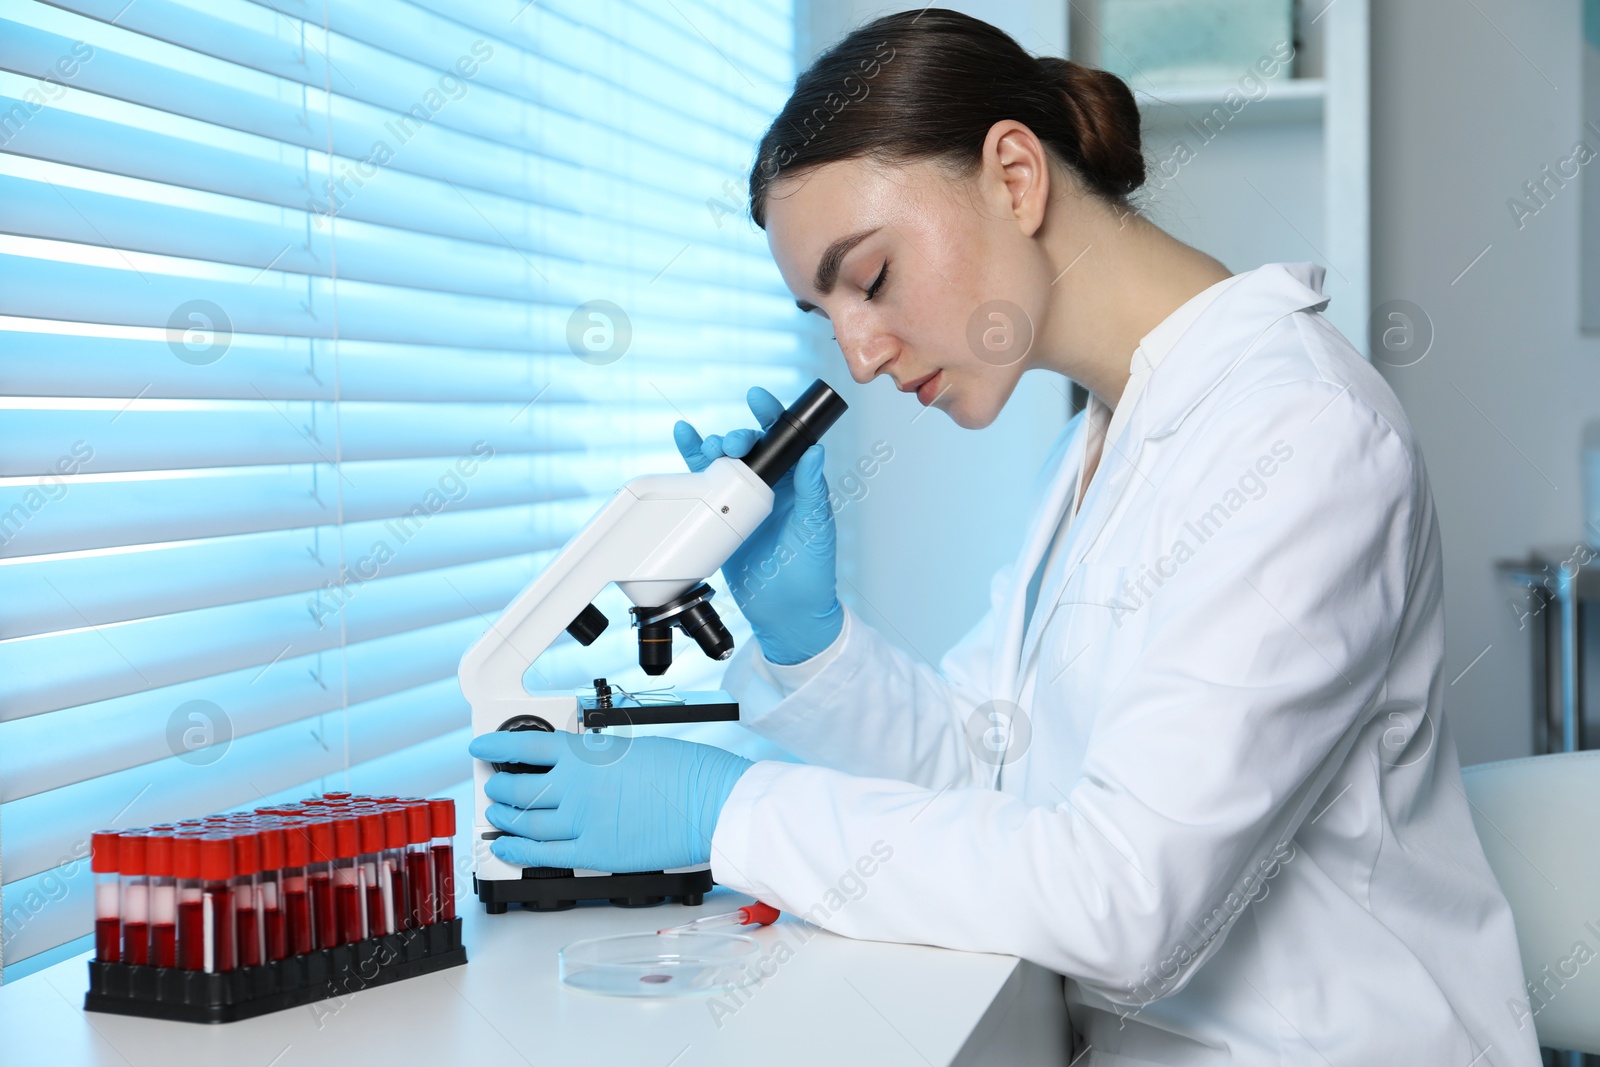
(784, 575)
(608, 803)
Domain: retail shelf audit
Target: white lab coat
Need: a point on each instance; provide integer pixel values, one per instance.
(1238, 825)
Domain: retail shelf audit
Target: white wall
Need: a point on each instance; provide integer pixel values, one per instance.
(1469, 102)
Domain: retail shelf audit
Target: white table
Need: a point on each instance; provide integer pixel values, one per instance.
(837, 1001)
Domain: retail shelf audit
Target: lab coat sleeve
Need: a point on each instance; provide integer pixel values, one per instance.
(868, 707)
(1260, 658)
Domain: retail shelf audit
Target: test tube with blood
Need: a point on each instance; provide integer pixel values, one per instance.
(374, 874)
(191, 903)
(394, 861)
(216, 892)
(349, 910)
(274, 929)
(319, 879)
(163, 899)
(442, 816)
(419, 864)
(247, 909)
(336, 796)
(103, 849)
(296, 892)
(135, 898)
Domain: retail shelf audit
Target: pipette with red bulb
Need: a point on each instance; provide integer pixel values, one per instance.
(757, 914)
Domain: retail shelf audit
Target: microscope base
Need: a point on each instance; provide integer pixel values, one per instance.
(557, 893)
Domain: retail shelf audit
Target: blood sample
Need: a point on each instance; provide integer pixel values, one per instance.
(335, 796)
(273, 925)
(247, 909)
(103, 850)
(319, 876)
(163, 899)
(135, 898)
(394, 860)
(442, 814)
(299, 931)
(349, 909)
(216, 890)
(374, 875)
(419, 865)
(191, 904)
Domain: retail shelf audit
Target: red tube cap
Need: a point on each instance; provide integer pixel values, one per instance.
(246, 852)
(216, 857)
(158, 855)
(394, 827)
(103, 848)
(186, 856)
(130, 852)
(297, 844)
(346, 837)
(372, 833)
(443, 816)
(272, 845)
(323, 847)
(419, 823)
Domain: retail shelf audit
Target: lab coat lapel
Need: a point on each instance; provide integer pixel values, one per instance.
(1042, 525)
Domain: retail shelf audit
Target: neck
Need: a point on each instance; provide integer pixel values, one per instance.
(1123, 276)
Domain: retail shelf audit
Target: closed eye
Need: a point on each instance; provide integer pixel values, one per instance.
(872, 290)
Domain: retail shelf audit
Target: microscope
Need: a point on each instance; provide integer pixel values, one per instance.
(658, 538)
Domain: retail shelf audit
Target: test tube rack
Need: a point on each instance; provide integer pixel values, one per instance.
(245, 992)
(236, 915)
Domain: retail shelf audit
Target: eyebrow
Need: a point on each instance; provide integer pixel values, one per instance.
(828, 265)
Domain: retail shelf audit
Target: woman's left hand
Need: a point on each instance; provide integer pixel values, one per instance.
(608, 803)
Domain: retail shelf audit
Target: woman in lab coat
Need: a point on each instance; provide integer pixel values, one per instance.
(1194, 756)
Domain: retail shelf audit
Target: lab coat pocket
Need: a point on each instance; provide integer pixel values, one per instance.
(1090, 612)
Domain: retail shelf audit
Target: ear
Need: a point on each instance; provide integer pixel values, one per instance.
(1016, 174)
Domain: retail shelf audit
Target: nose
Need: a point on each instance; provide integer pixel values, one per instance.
(866, 352)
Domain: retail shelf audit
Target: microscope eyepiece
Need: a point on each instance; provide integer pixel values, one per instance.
(800, 426)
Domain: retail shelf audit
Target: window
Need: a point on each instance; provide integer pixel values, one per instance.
(322, 327)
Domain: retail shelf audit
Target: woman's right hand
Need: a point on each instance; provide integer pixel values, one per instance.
(784, 575)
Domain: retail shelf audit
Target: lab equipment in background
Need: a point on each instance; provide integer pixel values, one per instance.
(657, 538)
(234, 915)
(658, 965)
(1155, 44)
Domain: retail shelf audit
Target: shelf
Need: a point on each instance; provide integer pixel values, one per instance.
(1286, 100)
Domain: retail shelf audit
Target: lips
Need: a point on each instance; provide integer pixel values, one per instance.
(911, 387)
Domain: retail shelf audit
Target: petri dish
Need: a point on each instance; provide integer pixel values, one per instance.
(658, 965)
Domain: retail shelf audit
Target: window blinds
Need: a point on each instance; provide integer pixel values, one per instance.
(323, 325)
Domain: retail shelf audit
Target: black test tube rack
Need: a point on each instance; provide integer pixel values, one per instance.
(245, 992)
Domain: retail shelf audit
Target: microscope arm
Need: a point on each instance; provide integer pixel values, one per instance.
(658, 536)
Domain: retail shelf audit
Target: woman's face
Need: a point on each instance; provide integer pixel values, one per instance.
(918, 273)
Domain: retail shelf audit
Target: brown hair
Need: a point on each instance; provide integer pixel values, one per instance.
(929, 85)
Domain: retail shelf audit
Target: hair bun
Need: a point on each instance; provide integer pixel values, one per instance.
(1102, 108)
